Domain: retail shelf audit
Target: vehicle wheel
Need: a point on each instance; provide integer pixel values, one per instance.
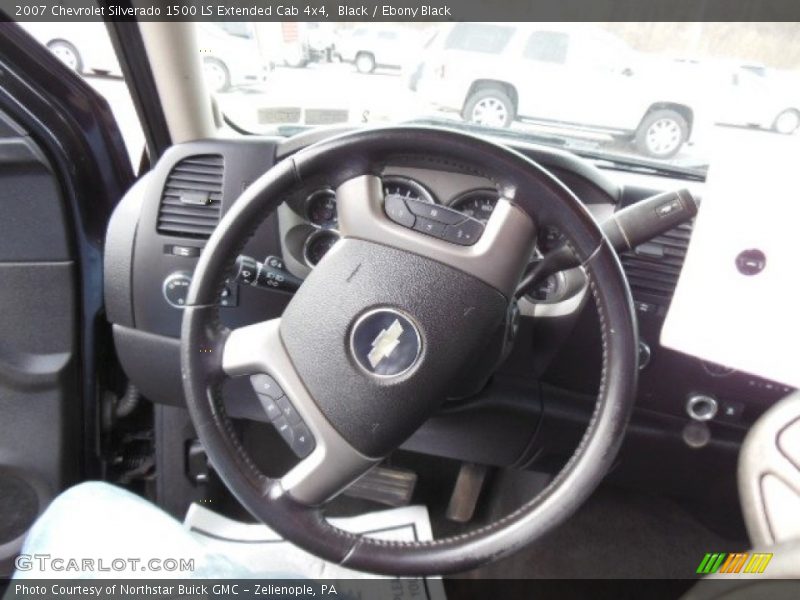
(365, 62)
(490, 107)
(67, 54)
(787, 122)
(218, 78)
(296, 61)
(661, 134)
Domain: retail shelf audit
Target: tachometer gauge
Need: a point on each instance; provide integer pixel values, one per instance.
(321, 208)
(405, 188)
(477, 204)
(317, 245)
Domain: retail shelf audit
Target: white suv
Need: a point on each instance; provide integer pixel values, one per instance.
(370, 47)
(572, 75)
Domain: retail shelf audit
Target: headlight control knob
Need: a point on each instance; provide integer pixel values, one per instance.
(175, 288)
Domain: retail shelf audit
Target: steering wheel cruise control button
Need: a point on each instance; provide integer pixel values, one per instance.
(464, 234)
(434, 212)
(429, 226)
(265, 385)
(398, 212)
(434, 220)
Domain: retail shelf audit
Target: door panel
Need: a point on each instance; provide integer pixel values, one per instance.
(40, 399)
(63, 167)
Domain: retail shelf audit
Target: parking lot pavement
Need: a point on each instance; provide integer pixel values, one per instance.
(336, 93)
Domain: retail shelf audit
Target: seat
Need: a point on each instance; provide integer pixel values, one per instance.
(769, 491)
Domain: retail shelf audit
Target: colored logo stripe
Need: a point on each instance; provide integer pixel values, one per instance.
(734, 562)
(758, 562)
(711, 562)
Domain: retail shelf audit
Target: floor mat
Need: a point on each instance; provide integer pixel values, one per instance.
(616, 534)
(261, 550)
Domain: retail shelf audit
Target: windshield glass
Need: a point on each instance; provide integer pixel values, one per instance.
(665, 94)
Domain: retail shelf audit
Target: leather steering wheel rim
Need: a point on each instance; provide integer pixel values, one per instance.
(546, 201)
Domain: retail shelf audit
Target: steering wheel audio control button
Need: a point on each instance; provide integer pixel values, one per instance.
(464, 234)
(265, 385)
(303, 441)
(270, 407)
(398, 212)
(285, 429)
(288, 411)
(296, 435)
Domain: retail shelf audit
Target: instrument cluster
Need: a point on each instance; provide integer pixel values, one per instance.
(320, 212)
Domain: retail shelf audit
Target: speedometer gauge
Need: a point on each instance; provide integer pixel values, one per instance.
(406, 189)
(477, 204)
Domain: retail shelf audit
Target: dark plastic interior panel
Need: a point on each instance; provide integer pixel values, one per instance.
(118, 255)
(40, 399)
(153, 362)
(245, 160)
(33, 217)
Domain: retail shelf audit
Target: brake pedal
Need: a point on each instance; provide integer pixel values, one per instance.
(385, 485)
(466, 492)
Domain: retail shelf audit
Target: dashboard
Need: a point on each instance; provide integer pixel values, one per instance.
(535, 407)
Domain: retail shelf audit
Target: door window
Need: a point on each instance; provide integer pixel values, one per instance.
(547, 46)
(479, 37)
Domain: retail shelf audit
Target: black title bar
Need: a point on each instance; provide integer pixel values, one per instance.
(403, 10)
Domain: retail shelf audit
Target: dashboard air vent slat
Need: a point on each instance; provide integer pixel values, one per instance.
(192, 197)
(653, 268)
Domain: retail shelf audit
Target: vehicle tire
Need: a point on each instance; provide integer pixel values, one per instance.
(217, 76)
(67, 54)
(365, 62)
(661, 134)
(787, 122)
(297, 61)
(491, 107)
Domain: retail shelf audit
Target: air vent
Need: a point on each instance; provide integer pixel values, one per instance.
(653, 268)
(192, 198)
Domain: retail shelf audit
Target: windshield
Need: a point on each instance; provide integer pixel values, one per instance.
(666, 94)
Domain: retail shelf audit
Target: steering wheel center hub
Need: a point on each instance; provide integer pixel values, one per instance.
(385, 343)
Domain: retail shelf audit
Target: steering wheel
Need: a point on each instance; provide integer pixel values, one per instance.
(403, 314)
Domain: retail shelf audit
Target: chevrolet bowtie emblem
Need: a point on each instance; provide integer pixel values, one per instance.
(383, 345)
(385, 342)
